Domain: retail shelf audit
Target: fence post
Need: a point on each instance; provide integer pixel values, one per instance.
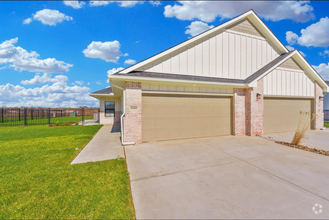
(83, 118)
(19, 114)
(2, 115)
(49, 116)
(31, 113)
(25, 112)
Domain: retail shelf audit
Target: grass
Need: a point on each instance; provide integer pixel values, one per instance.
(326, 124)
(45, 120)
(38, 182)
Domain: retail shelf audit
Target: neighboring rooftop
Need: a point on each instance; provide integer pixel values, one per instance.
(107, 90)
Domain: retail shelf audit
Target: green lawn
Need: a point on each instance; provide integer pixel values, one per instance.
(38, 182)
(45, 120)
(326, 124)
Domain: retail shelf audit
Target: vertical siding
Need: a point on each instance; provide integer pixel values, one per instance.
(288, 83)
(222, 54)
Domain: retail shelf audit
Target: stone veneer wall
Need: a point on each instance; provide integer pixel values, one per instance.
(255, 110)
(239, 113)
(133, 115)
(318, 107)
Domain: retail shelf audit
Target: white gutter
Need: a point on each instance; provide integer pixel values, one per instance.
(124, 113)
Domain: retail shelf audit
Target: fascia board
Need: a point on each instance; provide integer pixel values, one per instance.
(151, 79)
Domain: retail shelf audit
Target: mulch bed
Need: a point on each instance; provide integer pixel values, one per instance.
(302, 147)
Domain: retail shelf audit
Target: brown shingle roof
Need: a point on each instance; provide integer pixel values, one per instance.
(107, 90)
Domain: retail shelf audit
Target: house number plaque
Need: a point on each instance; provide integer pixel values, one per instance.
(133, 107)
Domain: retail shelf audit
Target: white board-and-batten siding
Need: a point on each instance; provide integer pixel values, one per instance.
(223, 54)
(288, 82)
(164, 87)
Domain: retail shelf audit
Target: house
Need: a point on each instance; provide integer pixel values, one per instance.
(234, 79)
(326, 101)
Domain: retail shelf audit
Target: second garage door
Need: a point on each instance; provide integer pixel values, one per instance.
(166, 117)
(282, 115)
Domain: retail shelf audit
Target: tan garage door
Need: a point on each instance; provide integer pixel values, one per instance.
(281, 115)
(167, 117)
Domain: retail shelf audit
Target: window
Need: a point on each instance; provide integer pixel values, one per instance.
(109, 109)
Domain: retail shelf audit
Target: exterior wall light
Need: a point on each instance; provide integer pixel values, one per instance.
(259, 96)
(321, 98)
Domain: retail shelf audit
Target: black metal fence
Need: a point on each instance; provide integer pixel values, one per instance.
(326, 115)
(42, 116)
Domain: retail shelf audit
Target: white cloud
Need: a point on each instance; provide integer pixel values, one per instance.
(291, 37)
(79, 82)
(74, 4)
(324, 53)
(21, 59)
(197, 27)
(99, 83)
(108, 51)
(27, 21)
(303, 54)
(98, 3)
(49, 17)
(323, 70)
(155, 3)
(316, 34)
(207, 11)
(58, 94)
(88, 83)
(45, 78)
(130, 62)
(114, 70)
(125, 4)
(129, 3)
(290, 48)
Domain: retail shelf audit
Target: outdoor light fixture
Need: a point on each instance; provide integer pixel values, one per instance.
(321, 98)
(259, 96)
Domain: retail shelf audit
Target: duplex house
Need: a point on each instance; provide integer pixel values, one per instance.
(234, 79)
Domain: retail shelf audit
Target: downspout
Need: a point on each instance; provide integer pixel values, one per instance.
(124, 113)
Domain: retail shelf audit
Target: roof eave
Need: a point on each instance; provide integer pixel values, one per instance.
(194, 82)
(95, 95)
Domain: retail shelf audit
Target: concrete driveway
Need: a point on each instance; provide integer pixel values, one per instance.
(227, 177)
(318, 139)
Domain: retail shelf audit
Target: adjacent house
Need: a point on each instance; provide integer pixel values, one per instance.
(234, 79)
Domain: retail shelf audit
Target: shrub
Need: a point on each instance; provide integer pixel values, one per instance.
(66, 124)
(304, 123)
(57, 123)
(76, 123)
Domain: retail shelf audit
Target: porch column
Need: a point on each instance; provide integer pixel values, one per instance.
(318, 106)
(132, 124)
(239, 113)
(255, 109)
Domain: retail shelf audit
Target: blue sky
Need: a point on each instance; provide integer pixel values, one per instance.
(52, 54)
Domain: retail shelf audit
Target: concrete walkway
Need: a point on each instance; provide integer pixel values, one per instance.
(104, 146)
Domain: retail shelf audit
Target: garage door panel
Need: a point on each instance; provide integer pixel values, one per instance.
(178, 117)
(282, 115)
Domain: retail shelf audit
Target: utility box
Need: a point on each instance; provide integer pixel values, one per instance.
(73, 114)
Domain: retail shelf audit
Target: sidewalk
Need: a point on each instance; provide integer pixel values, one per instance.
(104, 146)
